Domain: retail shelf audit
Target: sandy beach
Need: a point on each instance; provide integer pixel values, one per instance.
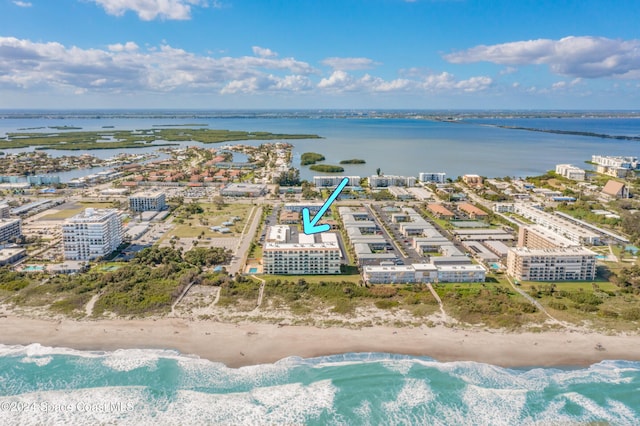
(254, 343)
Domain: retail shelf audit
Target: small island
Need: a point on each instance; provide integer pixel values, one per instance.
(310, 158)
(124, 139)
(326, 168)
(353, 161)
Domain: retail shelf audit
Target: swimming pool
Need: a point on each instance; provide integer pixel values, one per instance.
(253, 270)
(601, 256)
(33, 268)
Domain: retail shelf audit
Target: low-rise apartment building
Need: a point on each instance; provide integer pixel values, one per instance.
(147, 201)
(570, 172)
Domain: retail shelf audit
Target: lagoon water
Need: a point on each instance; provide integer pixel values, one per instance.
(402, 146)
(153, 387)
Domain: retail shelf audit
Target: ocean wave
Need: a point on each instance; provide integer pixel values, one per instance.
(365, 388)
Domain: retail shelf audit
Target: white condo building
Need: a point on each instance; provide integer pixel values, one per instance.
(560, 264)
(333, 181)
(306, 257)
(570, 172)
(577, 234)
(10, 228)
(386, 181)
(433, 177)
(92, 234)
(147, 201)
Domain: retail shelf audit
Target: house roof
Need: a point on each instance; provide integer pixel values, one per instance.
(613, 187)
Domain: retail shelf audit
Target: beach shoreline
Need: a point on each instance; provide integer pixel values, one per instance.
(238, 345)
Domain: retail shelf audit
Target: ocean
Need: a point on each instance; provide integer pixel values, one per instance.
(42, 385)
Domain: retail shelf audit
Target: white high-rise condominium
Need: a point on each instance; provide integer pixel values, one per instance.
(92, 234)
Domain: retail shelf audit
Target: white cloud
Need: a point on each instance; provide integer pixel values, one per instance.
(584, 57)
(508, 70)
(125, 67)
(263, 52)
(22, 3)
(128, 46)
(149, 10)
(340, 81)
(349, 64)
(128, 68)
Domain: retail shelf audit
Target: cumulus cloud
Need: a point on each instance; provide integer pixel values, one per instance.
(118, 47)
(121, 67)
(149, 10)
(22, 3)
(349, 64)
(128, 68)
(263, 52)
(584, 57)
(341, 81)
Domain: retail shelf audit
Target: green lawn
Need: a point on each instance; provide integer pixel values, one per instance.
(315, 279)
(65, 213)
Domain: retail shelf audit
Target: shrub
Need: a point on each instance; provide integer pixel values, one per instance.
(386, 304)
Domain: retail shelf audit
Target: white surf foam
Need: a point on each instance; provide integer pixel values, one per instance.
(39, 361)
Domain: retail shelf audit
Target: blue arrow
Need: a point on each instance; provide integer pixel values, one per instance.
(309, 225)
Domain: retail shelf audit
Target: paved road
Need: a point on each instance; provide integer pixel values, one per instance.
(239, 258)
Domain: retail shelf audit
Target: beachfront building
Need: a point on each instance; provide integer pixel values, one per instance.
(576, 233)
(559, 264)
(92, 234)
(423, 273)
(385, 181)
(147, 201)
(310, 255)
(334, 181)
(243, 190)
(570, 172)
(10, 229)
(433, 177)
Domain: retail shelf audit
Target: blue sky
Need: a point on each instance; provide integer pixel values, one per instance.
(427, 54)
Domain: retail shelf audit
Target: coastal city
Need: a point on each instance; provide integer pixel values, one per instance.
(242, 221)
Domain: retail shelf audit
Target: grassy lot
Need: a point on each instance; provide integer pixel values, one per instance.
(315, 279)
(491, 304)
(600, 304)
(65, 211)
(198, 224)
(303, 297)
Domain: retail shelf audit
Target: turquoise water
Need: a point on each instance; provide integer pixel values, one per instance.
(601, 256)
(31, 268)
(62, 386)
(253, 270)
